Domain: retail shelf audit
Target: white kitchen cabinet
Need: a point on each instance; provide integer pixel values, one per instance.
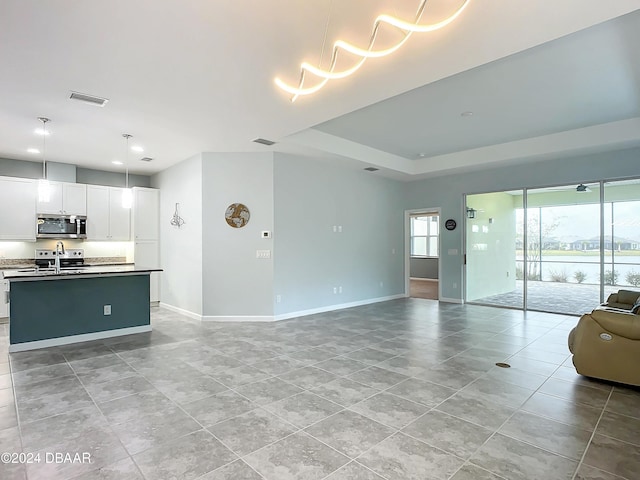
(106, 218)
(146, 213)
(146, 254)
(4, 298)
(17, 209)
(65, 199)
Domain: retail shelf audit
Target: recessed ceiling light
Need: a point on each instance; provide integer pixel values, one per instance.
(117, 162)
(466, 114)
(42, 131)
(33, 150)
(137, 148)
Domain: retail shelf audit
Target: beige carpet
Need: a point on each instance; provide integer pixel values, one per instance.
(423, 289)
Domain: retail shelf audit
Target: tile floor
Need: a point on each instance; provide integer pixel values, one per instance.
(400, 390)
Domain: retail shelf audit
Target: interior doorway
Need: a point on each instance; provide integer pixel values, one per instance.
(422, 264)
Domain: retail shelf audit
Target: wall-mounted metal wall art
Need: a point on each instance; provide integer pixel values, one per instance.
(237, 215)
(176, 220)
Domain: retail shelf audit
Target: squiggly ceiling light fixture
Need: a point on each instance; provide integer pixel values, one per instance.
(407, 28)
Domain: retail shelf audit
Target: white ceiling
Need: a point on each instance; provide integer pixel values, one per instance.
(190, 76)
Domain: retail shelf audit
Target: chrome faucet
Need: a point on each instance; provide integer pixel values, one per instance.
(59, 251)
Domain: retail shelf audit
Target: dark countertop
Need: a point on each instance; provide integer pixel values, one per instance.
(75, 272)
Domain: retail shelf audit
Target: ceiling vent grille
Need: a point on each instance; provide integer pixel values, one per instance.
(91, 99)
(264, 141)
(146, 159)
(372, 169)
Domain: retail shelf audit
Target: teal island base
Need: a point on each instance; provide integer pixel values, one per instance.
(46, 312)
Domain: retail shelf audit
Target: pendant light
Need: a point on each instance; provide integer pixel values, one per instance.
(44, 189)
(127, 194)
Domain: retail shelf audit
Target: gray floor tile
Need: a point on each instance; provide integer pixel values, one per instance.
(613, 456)
(297, 457)
(341, 365)
(563, 410)
(403, 458)
(217, 408)
(267, 391)
(620, 427)
(106, 374)
(53, 404)
(251, 431)
(303, 409)
(279, 365)
(237, 470)
(155, 428)
(344, 391)
(448, 433)
(122, 387)
(390, 410)
(378, 377)
(566, 440)
(516, 460)
(40, 374)
(354, 471)
(122, 469)
(47, 432)
(47, 387)
(370, 355)
(593, 397)
(448, 376)
(8, 417)
(99, 444)
(308, 377)
(125, 409)
(88, 364)
(189, 389)
(472, 472)
(184, 458)
(421, 391)
(585, 472)
(214, 363)
(239, 376)
(499, 392)
(349, 432)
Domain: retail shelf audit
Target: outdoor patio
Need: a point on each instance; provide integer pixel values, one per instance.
(557, 297)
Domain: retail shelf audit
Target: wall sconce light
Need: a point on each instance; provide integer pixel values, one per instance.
(471, 213)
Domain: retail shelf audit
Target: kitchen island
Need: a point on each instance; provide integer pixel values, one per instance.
(47, 308)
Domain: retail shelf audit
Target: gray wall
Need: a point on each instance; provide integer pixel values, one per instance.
(423, 267)
(65, 172)
(311, 196)
(235, 282)
(181, 248)
(447, 192)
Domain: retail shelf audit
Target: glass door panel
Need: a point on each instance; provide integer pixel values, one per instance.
(563, 249)
(492, 236)
(622, 235)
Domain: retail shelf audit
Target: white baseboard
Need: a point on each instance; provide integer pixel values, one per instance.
(85, 337)
(182, 311)
(451, 300)
(340, 306)
(423, 279)
(238, 318)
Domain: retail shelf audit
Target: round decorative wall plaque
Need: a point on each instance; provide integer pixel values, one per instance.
(237, 215)
(450, 224)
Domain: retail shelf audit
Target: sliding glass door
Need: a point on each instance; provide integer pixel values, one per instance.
(560, 249)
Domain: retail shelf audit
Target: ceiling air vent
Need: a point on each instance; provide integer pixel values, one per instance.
(372, 169)
(91, 99)
(263, 141)
(146, 159)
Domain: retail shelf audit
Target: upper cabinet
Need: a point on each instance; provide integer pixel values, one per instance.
(106, 217)
(17, 209)
(146, 213)
(65, 199)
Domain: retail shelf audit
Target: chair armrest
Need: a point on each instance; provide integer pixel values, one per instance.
(619, 322)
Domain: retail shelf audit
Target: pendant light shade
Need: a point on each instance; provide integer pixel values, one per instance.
(127, 194)
(44, 189)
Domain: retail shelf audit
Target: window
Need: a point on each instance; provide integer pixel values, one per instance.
(424, 235)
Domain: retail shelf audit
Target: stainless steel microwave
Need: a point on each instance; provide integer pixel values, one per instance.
(61, 226)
